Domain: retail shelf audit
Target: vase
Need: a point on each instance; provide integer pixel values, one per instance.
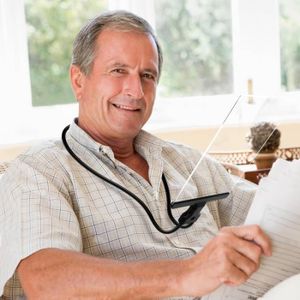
(264, 160)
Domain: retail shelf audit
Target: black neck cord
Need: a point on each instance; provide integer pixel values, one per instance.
(129, 193)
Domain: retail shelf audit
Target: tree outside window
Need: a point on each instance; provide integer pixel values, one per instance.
(290, 44)
(197, 44)
(52, 25)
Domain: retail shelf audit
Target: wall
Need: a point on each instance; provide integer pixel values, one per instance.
(230, 138)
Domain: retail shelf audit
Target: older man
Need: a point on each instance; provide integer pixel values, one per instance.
(69, 234)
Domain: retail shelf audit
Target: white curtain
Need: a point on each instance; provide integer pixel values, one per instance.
(256, 46)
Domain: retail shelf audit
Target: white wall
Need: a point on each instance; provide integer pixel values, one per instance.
(231, 138)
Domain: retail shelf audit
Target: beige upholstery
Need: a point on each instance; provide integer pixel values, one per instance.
(3, 167)
(10, 152)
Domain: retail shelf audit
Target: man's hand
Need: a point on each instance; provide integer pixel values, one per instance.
(230, 258)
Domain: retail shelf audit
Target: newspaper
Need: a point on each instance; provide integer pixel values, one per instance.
(276, 208)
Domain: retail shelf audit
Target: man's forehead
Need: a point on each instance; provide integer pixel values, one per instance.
(115, 42)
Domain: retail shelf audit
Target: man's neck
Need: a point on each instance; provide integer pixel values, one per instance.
(124, 151)
(132, 159)
(122, 147)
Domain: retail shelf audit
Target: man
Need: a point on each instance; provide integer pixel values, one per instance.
(68, 234)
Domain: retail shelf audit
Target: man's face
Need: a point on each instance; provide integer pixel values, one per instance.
(117, 97)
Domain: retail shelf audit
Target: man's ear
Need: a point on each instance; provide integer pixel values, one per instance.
(77, 81)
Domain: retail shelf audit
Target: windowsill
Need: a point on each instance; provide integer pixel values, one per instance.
(168, 115)
(211, 111)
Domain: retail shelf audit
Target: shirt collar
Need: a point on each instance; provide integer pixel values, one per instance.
(144, 140)
(84, 139)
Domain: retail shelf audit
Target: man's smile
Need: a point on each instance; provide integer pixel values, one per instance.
(126, 107)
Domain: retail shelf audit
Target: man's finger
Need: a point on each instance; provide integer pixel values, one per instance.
(246, 248)
(243, 263)
(252, 233)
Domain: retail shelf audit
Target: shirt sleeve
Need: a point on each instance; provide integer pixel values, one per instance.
(35, 212)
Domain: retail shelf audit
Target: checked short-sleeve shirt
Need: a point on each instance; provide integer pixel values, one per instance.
(48, 200)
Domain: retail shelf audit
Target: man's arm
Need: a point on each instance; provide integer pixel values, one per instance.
(230, 258)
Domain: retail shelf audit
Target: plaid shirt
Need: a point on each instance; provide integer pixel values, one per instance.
(48, 200)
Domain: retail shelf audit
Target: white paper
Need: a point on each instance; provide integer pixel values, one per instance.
(276, 208)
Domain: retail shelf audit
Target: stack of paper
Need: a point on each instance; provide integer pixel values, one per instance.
(276, 208)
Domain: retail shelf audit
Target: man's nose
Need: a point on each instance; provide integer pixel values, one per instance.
(134, 86)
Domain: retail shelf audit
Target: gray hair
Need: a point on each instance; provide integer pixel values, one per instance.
(84, 45)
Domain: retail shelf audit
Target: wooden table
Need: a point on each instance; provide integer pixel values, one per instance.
(251, 173)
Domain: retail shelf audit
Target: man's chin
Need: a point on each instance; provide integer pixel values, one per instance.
(128, 132)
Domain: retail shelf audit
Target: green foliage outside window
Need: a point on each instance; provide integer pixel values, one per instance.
(52, 25)
(290, 44)
(197, 45)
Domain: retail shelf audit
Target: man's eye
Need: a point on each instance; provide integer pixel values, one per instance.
(149, 76)
(118, 71)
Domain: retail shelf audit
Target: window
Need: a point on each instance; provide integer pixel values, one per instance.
(290, 44)
(52, 26)
(211, 48)
(196, 39)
